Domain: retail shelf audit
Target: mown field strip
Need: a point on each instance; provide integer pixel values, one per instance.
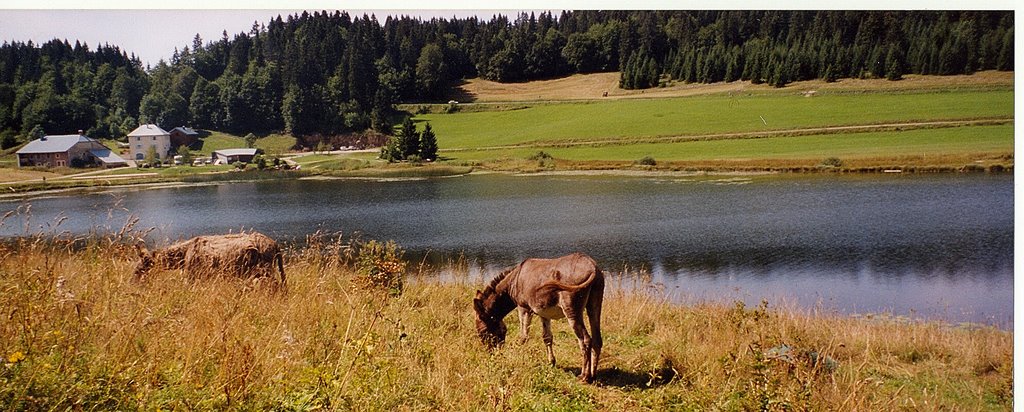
(893, 127)
(987, 138)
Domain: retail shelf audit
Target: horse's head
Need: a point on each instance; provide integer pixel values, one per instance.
(489, 326)
(145, 261)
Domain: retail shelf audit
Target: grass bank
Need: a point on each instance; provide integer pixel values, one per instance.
(79, 333)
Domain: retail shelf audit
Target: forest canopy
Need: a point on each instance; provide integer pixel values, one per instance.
(329, 73)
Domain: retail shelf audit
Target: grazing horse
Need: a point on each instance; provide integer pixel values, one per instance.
(551, 289)
(242, 255)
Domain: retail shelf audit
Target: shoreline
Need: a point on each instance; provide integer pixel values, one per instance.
(653, 172)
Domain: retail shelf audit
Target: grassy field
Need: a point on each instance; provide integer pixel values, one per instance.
(273, 144)
(969, 144)
(584, 121)
(80, 334)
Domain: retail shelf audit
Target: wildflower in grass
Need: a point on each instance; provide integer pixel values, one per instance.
(15, 357)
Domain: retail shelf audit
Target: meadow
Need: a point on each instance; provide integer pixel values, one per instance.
(536, 123)
(81, 334)
(981, 145)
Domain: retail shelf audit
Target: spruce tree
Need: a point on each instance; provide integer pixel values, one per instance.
(894, 69)
(409, 140)
(428, 144)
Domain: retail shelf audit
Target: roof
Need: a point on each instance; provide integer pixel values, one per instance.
(107, 156)
(187, 130)
(54, 144)
(236, 152)
(148, 130)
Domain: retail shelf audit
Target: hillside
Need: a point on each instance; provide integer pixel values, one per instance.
(930, 122)
(593, 86)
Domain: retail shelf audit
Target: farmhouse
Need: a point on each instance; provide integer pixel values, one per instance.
(75, 150)
(182, 135)
(149, 136)
(228, 156)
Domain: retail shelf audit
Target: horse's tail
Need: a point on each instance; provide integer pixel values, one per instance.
(280, 267)
(556, 285)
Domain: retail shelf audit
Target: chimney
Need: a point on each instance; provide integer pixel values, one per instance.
(79, 132)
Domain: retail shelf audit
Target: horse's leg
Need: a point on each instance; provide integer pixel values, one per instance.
(548, 339)
(525, 316)
(576, 322)
(594, 314)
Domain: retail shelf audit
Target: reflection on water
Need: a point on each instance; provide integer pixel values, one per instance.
(936, 246)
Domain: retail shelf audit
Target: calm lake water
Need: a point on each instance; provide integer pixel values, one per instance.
(936, 247)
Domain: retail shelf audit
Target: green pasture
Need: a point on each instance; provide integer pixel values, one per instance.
(920, 142)
(273, 144)
(708, 115)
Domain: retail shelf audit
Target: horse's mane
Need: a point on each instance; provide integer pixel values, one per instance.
(492, 287)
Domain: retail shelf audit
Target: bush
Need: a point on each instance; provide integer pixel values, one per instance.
(8, 139)
(541, 155)
(832, 162)
(647, 161)
(240, 165)
(380, 266)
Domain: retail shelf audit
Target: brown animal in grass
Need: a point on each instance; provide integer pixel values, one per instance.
(245, 255)
(551, 289)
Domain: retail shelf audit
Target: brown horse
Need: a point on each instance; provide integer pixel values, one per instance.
(551, 289)
(242, 255)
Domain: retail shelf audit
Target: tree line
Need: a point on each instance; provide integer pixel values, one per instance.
(330, 73)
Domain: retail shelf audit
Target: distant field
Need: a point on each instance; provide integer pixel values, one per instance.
(271, 144)
(593, 86)
(583, 121)
(976, 140)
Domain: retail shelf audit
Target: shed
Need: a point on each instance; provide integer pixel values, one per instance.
(182, 135)
(228, 156)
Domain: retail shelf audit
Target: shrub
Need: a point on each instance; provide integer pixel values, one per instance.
(832, 162)
(647, 161)
(261, 162)
(541, 155)
(380, 266)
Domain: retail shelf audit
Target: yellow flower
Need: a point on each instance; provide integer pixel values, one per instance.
(16, 357)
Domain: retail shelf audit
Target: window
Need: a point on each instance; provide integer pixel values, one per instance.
(139, 156)
(138, 139)
(138, 146)
(154, 138)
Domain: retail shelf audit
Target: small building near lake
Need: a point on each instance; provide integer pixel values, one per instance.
(229, 156)
(182, 135)
(75, 150)
(149, 136)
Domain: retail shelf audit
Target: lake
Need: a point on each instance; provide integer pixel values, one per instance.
(924, 246)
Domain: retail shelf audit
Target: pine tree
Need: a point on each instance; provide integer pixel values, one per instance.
(428, 144)
(894, 69)
(409, 140)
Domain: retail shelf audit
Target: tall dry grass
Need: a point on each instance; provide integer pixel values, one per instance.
(76, 332)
